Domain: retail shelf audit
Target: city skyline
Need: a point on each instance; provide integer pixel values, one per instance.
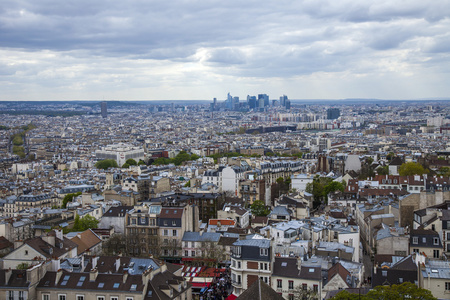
(201, 50)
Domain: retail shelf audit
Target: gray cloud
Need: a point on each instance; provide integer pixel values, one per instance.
(127, 44)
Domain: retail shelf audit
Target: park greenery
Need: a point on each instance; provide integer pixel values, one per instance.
(18, 139)
(177, 160)
(402, 291)
(106, 164)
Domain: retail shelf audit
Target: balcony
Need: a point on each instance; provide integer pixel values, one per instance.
(236, 284)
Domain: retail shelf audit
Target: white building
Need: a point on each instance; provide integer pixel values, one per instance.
(120, 153)
(300, 181)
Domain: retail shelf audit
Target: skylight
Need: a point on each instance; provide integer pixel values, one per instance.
(101, 285)
(116, 285)
(284, 264)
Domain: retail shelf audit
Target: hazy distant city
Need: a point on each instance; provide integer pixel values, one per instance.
(224, 198)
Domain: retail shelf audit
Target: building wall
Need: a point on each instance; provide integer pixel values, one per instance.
(391, 245)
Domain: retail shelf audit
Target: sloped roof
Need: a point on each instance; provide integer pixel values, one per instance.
(260, 291)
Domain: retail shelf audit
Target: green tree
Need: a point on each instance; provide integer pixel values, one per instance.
(88, 222)
(406, 290)
(161, 161)
(17, 140)
(411, 168)
(444, 171)
(84, 223)
(332, 187)
(141, 162)
(131, 162)
(69, 198)
(188, 184)
(344, 295)
(382, 170)
(259, 209)
(194, 157)
(106, 164)
(125, 166)
(181, 157)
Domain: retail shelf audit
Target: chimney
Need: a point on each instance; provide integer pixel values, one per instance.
(117, 263)
(125, 276)
(93, 274)
(7, 275)
(56, 265)
(58, 276)
(94, 262)
(299, 263)
(59, 234)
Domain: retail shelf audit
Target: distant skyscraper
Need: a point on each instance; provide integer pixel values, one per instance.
(333, 113)
(287, 103)
(283, 100)
(251, 101)
(265, 98)
(229, 102)
(104, 109)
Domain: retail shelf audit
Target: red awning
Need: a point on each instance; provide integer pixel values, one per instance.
(231, 297)
(199, 284)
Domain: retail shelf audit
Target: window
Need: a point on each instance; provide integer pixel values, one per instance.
(424, 240)
(166, 232)
(384, 273)
(239, 279)
(447, 286)
(304, 286)
(400, 280)
(435, 241)
(165, 223)
(415, 250)
(264, 252)
(291, 284)
(174, 223)
(11, 295)
(433, 227)
(62, 297)
(435, 253)
(279, 283)
(174, 233)
(80, 297)
(239, 264)
(114, 298)
(316, 288)
(415, 240)
(291, 297)
(100, 297)
(192, 253)
(45, 297)
(237, 251)
(186, 253)
(26, 252)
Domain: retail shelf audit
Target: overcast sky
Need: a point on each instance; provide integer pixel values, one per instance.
(156, 50)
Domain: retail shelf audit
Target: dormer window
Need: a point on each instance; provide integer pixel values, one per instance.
(263, 251)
